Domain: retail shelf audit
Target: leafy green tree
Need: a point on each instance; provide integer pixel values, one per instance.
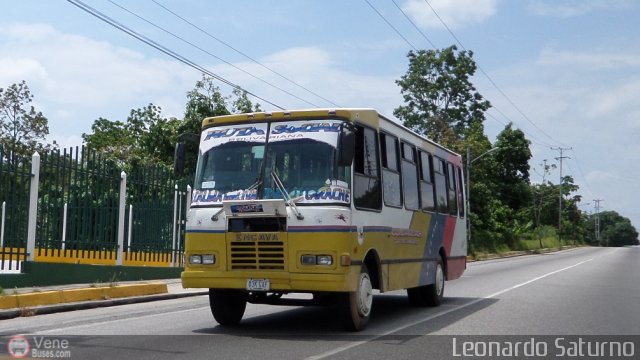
(22, 129)
(616, 230)
(144, 138)
(206, 100)
(440, 100)
(513, 157)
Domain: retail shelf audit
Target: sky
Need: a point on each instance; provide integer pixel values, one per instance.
(566, 72)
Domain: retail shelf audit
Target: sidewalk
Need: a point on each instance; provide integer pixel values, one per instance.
(51, 299)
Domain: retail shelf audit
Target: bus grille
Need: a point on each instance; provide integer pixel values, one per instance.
(257, 255)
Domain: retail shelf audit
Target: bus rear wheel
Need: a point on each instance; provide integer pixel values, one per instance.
(227, 306)
(429, 295)
(356, 305)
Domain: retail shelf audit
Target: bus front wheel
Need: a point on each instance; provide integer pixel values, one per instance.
(227, 306)
(356, 305)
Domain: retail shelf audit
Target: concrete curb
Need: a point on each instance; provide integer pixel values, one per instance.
(55, 308)
(38, 298)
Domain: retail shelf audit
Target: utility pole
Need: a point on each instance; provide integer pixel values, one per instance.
(560, 158)
(597, 221)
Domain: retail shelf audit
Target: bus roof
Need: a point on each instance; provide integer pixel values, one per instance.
(368, 116)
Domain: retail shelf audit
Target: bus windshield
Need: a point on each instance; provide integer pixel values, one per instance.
(239, 163)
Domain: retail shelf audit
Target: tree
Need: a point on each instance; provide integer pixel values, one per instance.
(144, 138)
(616, 230)
(440, 100)
(22, 128)
(512, 157)
(206, 100)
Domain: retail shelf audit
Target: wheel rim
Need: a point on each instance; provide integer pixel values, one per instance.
(365, 295)
(439, 280)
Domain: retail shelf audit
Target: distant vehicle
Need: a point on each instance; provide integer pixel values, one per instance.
(335, 203)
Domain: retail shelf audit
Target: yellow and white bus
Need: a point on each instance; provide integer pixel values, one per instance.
(331, 202)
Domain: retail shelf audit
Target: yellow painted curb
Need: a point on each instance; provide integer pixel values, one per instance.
(84, 294)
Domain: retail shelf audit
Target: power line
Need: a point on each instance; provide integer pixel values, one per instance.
(414, 25)
(162, 48)
(491, 80)
(209, 53)
(242, 53)
(560, 158)
(575, 158)
(391, 26)
(537, 141)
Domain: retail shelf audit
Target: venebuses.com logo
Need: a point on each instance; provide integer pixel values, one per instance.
(19, 346)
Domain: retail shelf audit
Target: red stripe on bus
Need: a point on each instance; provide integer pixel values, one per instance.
(455, 267)
(449, 229)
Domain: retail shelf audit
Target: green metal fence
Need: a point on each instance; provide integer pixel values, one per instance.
(15, 175)
(86, 209)
(77, 204)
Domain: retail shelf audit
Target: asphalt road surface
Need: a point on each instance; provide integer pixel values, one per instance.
(585, 291)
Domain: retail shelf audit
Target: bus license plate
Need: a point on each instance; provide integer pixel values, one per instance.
(258, 284)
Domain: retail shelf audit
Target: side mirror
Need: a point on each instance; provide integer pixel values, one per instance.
(346, 145)
(179, 158)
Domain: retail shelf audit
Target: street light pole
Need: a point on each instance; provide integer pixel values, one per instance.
(469, 162)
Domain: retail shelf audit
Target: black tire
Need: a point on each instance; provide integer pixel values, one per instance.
(356, 306)
(429, 295)
(227, 306)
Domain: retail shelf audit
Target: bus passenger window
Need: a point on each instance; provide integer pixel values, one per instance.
(367, 192)
(410, 177)
(427, 196)
(390, 172)
(451, 190)
(460, 194)
(442, 203)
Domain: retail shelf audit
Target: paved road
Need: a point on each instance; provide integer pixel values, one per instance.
(588, 291)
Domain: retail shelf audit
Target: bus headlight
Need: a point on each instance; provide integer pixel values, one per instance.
(316, 260)
(324, 260)
(206, 259)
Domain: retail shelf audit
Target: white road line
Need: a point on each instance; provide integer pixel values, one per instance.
(496, 294)
(118, 320)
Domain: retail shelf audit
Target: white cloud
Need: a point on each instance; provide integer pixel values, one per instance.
(591, 60)
(75, 79)
(455, 14)
(573, 8)
(317, 70)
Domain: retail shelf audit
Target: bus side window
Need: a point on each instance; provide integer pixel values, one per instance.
(427, 195)
(390, 170)
(442, 200)
(460, 194)
(367, 189)
(410, 177)
(451, 190)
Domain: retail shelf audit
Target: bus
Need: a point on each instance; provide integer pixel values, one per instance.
(336, 203)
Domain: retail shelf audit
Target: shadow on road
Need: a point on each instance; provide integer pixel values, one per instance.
(392, 319)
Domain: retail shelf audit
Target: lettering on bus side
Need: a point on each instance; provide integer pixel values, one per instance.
(310, 127)
(337, 194)
(245, 131)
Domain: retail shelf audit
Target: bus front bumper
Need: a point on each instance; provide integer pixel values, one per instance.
(279, 281)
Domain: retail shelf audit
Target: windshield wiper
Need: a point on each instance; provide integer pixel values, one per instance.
(252, 187)
(285, 194)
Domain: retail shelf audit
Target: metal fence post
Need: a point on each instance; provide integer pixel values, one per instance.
(4, 212)
(175, 227)
(121, 208)
(33, 206)
(130, 232)
(188, 198)
(64, 227)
